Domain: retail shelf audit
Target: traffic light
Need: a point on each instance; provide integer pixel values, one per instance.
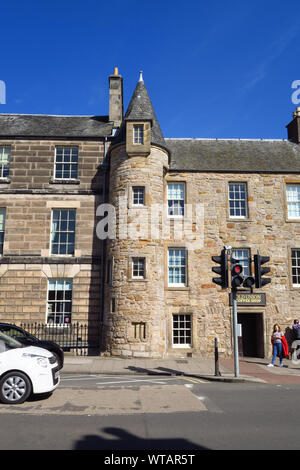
(236, 273)
(259, 271)
(238, 279)
(222, 269)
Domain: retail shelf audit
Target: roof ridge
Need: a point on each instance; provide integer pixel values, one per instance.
(229, 139)
(53, 115)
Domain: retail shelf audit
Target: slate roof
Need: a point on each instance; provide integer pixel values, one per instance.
(276, 156)
(42, 125)
(140, 109)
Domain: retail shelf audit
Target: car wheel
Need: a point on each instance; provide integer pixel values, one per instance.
(15, 388)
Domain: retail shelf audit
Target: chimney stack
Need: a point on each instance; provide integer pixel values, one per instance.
(116, 98)
(294, 127)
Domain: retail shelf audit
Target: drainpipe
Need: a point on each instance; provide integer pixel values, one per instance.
(104, 167)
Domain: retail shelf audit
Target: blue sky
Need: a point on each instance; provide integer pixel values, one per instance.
(213, 69)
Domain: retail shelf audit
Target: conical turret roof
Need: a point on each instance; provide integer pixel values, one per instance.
(140, 109)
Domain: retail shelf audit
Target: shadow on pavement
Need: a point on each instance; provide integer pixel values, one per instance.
(123, 440)
(156, 371)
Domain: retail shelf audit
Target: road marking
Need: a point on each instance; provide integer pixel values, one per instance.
(209, 404)
(80, 377)
(194, 380)
(130, 381)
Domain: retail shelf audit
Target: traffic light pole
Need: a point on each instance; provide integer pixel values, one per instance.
(235, 335)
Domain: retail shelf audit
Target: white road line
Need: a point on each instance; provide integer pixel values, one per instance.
(64, 379)
(209, 404)
(130, 381)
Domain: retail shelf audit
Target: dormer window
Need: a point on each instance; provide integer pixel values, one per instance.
(138, 134)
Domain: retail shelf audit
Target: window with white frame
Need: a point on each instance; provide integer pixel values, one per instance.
(293, 200)
(296, 267)
(138, 195)
(59, 301)
(176, 199)
(138, 268)
(182, 331)
(2, 229)
(63, 232)
(4, 161)
(177, 267)
(66, 163)
(238, 200)
(243, 255)
(138, 134)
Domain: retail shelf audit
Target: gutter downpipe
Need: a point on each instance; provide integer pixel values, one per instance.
(104, 167)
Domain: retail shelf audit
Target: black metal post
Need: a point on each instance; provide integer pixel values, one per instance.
(217, 366)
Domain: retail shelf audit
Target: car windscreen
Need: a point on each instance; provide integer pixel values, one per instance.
(7, 342)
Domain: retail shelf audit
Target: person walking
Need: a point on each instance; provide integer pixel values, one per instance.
(279, 345)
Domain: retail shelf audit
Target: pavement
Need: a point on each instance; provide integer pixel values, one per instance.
(250, 369)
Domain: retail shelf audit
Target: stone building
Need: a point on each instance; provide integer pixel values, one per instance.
(142, 279)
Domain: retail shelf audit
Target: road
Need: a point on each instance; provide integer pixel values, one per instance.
(154, 413)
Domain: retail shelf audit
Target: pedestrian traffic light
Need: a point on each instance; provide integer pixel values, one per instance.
(236, 273)
(259, 271)
(222, 269)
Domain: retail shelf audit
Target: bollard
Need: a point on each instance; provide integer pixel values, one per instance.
(217, 367)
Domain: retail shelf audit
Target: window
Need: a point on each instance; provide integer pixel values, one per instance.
(293, 200)
(138, 134)
(59, 301)
(2, 229)
(113, 305)
(66, 162)
(63, 232)
(238, 200)
(177, 267)
(138, 196)
(139, 330)
(4, 161)
(138, 268)
(182, 331)
(296, 267)
(176, 196)
(243, 255)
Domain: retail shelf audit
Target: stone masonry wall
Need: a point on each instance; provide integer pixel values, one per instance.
(266, 229)
(139, 304)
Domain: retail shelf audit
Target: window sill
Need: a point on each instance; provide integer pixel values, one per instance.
(181, 288)
(239, 219)
(52, 255)
(5, 181)
(64, 181)
(137, 280)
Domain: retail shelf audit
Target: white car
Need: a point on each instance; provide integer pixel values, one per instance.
(25, 370)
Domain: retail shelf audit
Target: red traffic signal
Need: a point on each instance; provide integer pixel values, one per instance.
(237, 269)
(236, 273)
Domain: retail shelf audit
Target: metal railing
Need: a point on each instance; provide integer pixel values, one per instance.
(69, 337)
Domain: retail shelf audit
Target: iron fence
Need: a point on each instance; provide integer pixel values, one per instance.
(69, 337)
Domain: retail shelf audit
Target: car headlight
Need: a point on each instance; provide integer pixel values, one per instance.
(40, 360)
